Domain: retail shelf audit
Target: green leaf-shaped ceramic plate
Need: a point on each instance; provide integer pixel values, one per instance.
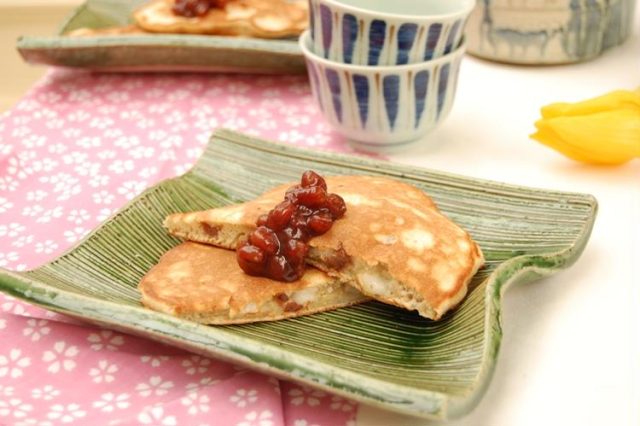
(372, 353)
(155, 52)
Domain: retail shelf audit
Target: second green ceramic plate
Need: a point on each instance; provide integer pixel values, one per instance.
(155, 52)
(372, 353)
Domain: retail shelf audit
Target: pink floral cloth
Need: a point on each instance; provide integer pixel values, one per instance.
(72, 152)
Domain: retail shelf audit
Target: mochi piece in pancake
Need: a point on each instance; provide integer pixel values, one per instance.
(251, 18)
(203, 283)
(393, 244)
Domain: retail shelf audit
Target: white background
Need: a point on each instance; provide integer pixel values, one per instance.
(570, 352)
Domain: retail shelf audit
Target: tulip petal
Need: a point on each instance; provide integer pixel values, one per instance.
(611, 137)
(601, 130)
(618, 99)
(547, 136)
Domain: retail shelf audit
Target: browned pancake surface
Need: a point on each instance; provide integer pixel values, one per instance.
(205, 284)
(393, 241)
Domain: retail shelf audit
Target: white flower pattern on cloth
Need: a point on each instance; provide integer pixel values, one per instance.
(105, 339)
(197, 402)
(156, 416)
(12, 305)
(23, 240)
(14, 407)
(244, 397)
(48, 215)
(305, 395)
(78, 216)
(36, 328)
(109, 402)
(203, 383)
(155, 386)
(47, 246)
(254, 418)
(11, 231)
(131, 188)
(104, 214)
(37, 195)
(154, 360)
(303, 422)
(11, 365)
(5, 204)
(6, 391)
(32, 210)
(196, 364)
(60, 357)
(5, 258)
(104, 372)
(342, 404)
(75, 234)
(75, 150)
(66, 413)
(47, 393)
(275, 383)
(34, 422)
(103, 197)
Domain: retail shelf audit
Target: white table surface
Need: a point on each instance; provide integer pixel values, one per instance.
(570, 352)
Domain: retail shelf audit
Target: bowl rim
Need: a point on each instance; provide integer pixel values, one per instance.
(309, 54)
(399, 16)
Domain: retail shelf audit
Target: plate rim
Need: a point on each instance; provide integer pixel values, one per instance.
(285, 47)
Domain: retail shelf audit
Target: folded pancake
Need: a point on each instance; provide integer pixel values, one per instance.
(251, 18)
(205, 284)
(393, 244)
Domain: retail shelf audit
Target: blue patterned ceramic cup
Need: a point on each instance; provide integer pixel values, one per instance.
(387, 32)
(534, 32)
(379, 107)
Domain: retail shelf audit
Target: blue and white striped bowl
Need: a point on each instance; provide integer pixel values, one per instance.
(387, 32)
(383, 106)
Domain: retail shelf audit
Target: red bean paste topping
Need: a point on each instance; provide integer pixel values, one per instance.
(277, 248)
(193, 8)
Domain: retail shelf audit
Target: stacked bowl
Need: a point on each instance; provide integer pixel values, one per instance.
(385, 72)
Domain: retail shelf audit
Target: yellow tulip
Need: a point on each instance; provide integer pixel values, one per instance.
(602, 130)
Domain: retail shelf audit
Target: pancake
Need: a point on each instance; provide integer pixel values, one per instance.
(251, 18)
(205, 284)
(393, 244)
